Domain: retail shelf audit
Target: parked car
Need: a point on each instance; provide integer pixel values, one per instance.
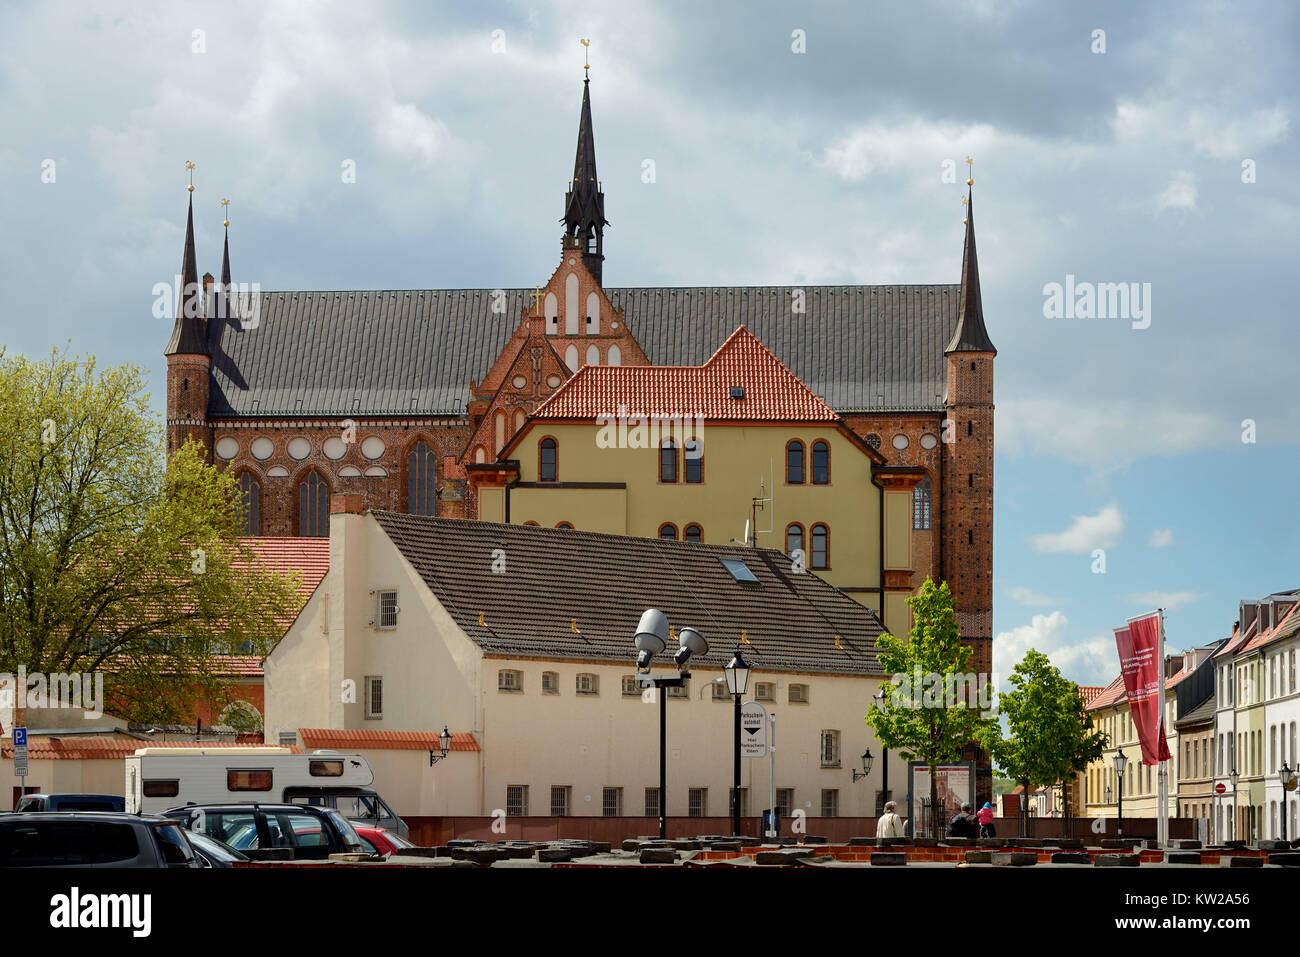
(213, 852)
(381, 841)
(313, 833)
(71, 802)
(93, 839)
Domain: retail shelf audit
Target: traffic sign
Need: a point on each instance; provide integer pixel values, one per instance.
(20, 752)
(753, 730)
(1220, 788)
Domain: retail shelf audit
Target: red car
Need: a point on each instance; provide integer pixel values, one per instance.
(378, 840)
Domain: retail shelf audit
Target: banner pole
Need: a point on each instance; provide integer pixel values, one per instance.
(1162, 786)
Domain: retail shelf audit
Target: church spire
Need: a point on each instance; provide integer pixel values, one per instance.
(188, 336)
(970, 335)
(584, 205)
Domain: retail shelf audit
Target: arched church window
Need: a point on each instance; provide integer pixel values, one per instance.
(313, 506)
(421, 480)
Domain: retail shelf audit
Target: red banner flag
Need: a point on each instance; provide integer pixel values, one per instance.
(1143, 672)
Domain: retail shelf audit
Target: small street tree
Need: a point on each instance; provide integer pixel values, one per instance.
(929, 711)
(113, 559)
(1050, 735)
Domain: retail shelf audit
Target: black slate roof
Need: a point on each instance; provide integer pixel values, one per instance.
(556, 577)
(861, 348)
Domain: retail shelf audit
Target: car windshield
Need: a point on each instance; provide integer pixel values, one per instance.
(345, 828)
(214, 848)
(175, 848)
(364, 807)
(398, 841)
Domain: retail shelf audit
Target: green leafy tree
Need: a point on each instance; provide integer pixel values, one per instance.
(1050, 736)
(928, 712)
(115, 559)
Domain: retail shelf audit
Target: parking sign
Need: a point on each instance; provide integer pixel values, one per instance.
(20, 752)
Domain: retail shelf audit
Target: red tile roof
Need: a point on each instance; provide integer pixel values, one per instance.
(310, 556)
(384, 740)
(1088, 692)
(103, 749)
(772, 392)
(1282, 629)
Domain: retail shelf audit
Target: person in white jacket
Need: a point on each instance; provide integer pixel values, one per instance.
(890, 824)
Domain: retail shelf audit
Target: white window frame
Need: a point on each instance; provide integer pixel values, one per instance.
(605, 795)
(567, 792)
(515, 685)
(523, 804)
(764, 691)
(555, 682)
(592, 682)
(804, 692)
(371, 712)
(380, 595)
(834, 760)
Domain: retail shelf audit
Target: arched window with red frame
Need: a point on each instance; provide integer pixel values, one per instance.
(821, 547)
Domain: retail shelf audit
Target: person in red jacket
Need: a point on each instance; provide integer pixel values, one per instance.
(985, 816)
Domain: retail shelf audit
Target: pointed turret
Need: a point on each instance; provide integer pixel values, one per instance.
(584, 205)
(970, 336)
(189, 334)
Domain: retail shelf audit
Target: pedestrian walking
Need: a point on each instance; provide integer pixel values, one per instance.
(986, 821)
(890, 824)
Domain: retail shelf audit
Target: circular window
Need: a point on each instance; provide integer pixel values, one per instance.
(227, 448)
(299, 449)
(553, 381)
(334, 448)
(928, 441)
(373, 447)
(873, 440)
(262, 449)
(900, 442)
(519, 382)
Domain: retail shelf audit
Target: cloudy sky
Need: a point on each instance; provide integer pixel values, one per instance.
(1158, 151)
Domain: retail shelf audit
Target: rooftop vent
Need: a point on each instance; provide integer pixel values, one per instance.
(737, 391)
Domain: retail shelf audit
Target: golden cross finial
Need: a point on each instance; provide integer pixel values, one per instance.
(536, 295)
(970, 176)
(586, 56)
(225, 219)
(190, 166)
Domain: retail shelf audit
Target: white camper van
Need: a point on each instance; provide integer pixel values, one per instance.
(162, 778)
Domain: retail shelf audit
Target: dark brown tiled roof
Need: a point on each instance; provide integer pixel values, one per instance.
(372, 352)
(574, 594)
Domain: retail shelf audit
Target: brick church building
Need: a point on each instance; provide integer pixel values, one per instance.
(401, 397)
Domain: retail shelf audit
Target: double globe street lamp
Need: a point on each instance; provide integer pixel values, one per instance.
(652, 635)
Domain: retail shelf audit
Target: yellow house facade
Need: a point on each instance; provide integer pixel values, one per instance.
(735, 451)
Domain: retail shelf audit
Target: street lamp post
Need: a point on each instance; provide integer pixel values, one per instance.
(884, 758)
(737, 672)
(651, 638)
(1121, 762)
(1286, 776)
(1232, 776)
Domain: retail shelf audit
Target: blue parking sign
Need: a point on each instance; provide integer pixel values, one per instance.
(20, 737)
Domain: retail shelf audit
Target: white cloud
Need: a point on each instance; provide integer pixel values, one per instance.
(1168, 600)
(1089, 662)
(1100, 433)
(1179, 194)
(1027, 596)
(1161, 537)
(1218, 133)
(1086, 532)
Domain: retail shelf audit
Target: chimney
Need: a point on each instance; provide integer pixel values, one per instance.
(349, 504)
